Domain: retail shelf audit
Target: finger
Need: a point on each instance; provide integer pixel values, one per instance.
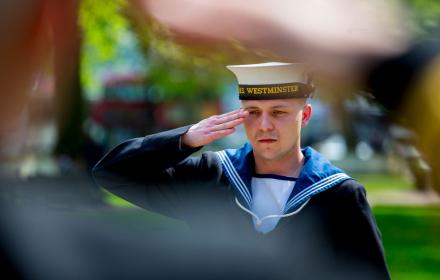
(229, 124)
(229, 113)
(221, 133)
(231, 116)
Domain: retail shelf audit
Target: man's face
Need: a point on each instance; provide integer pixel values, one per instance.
(274, 126)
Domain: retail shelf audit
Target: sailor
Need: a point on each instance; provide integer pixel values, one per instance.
(271, 188)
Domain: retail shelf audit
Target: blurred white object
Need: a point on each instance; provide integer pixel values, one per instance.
(334, 147)
(364, 151)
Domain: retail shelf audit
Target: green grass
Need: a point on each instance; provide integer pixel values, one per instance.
(377, 182)
(411, 234)
(114, 200)
(411, 237)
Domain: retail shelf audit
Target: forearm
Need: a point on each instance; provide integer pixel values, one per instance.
(137, 157)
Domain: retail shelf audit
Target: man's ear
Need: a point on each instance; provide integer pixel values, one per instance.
(306, 114)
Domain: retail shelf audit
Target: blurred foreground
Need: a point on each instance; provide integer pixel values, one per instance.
(78, 77)
(62, 228)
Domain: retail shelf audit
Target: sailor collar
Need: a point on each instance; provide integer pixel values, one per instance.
(316, 176)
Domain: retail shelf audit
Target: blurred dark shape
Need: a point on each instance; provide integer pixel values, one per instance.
(30, 201)
(80, 240)
(408, 85)
(393, 79)
(93, 151)
(405, 144)
(365, 121)
(64, 192)
(69, 101)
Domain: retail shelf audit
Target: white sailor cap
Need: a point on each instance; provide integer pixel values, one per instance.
(273, 80)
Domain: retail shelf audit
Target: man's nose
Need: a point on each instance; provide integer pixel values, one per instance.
(265, 123)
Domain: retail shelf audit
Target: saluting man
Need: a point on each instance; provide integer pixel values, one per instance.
(312, 214)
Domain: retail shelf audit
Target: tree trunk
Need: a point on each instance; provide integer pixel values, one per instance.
(69, 102)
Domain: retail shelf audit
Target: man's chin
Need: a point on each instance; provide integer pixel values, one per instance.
(265, 155)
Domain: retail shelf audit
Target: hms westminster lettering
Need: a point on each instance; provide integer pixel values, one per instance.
(269, 90)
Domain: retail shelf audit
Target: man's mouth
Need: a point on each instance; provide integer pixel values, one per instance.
(267, 140)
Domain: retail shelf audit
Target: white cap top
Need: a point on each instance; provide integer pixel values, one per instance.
(269, 73)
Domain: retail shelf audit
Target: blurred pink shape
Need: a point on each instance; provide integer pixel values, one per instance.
(333, 35)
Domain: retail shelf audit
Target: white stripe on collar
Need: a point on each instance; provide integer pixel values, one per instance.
(317, 187)
(296, 200)
(235, 178)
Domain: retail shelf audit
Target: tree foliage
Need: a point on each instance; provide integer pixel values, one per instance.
(425, 16)
(103, 29)
(172, 71)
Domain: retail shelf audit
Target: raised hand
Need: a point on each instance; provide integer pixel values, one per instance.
(213, 128)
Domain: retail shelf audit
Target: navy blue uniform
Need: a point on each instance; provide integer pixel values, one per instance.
(329, 231)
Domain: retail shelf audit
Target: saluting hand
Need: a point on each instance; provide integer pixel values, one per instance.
(213, 128)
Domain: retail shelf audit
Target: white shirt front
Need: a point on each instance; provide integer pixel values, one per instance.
(269, 197)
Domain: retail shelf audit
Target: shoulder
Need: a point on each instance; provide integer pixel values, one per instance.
(349, 193)
(349, 187)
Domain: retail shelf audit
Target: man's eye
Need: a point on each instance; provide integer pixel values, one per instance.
(253, 113)
(278, 113)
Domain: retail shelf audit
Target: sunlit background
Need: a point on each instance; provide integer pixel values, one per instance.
(79, 77)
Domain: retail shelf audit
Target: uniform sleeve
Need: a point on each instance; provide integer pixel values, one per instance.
(357, 237)
(154, 171)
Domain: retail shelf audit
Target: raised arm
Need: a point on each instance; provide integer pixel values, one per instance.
(148, 171)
